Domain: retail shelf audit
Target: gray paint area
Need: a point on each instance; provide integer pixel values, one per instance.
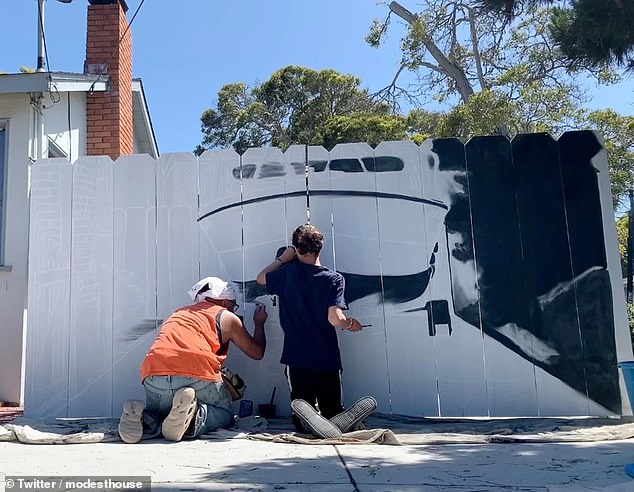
(487, 271)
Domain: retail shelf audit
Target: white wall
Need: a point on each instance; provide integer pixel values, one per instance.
(15, 109)
(69, 134)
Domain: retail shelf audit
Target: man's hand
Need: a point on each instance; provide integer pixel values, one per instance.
(260, 315)
(289, 254)
(354, 325)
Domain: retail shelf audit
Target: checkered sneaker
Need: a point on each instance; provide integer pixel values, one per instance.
(348, 420)
(315, 423)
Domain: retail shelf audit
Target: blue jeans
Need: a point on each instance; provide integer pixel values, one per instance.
(159, 391)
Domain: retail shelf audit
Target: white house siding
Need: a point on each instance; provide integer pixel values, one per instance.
(14, 110)
(57, 123)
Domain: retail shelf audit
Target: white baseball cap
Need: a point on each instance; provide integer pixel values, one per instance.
(218, 289)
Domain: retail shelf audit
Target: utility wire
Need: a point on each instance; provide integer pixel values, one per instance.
(92, 86)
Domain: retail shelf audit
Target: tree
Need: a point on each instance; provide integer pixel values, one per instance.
(501, 74)
(622, 227)
(460, 50)
(372, 129)
(594, 32)
(618, 132)
(297, 105)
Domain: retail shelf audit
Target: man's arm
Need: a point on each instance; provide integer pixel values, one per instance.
(339, 320)
(288, 255)
(233, 329)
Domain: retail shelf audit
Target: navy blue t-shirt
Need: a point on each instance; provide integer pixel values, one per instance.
(306, 292)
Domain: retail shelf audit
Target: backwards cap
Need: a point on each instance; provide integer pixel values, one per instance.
(218, 289)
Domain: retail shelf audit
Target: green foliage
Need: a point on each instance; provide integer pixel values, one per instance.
(24, 69)
(458, 49)
(297, 105)
(595, 31)
(362, 128)
(423, 124)
(622, 226)
(504, 74)
(377, 31)
(483, 114)
(587, 32)
(618, 132)
(630, 318)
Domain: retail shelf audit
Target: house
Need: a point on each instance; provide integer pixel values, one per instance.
(102, 111)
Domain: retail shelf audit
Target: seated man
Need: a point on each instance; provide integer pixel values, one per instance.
(182, 371)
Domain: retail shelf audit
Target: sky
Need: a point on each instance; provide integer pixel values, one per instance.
(185, 51)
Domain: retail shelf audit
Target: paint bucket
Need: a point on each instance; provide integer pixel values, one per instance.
(628, 375)
(246, 409)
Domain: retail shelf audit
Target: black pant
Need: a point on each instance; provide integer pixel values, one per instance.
(319, 388)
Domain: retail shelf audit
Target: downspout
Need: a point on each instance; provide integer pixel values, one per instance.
(37, 142)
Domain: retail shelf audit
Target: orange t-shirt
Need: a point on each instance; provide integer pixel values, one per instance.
(187, 345)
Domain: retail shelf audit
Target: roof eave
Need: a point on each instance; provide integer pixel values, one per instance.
(142, 121)
(24, 83)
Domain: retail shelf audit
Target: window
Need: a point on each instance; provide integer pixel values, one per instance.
(3, 174)
(383, 163)
(55, 150)
(346, 165)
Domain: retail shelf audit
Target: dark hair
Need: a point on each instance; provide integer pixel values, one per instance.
(308, 239)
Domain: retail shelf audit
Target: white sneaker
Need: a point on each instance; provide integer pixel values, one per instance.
(181, 414)
(131, 421)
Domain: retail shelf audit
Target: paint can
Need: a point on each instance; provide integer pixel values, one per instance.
(246, 408)
(266, 410)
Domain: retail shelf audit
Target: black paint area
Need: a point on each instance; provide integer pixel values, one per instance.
(395, 288)
(528, 214)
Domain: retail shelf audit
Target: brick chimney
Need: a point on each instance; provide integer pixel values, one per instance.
(109, 114)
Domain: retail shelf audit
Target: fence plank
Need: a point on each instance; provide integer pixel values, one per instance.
(458, 346)
(591, 285)
(264, 232)
(177, 231)
(220, 219)
(510, 377)
(406, 274)
(90, 348)
(357, 256)
(134, 273)
(46, 371)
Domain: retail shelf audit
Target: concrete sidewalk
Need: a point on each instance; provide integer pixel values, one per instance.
(239, 464)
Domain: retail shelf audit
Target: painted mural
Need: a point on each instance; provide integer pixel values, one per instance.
(487, 272)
